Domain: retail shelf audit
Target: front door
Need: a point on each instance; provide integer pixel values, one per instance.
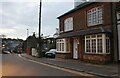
(75, 49)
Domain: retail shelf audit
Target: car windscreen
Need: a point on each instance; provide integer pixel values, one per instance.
(53, 50)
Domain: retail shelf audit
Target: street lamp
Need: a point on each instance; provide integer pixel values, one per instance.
(27, 41)
(27, 32)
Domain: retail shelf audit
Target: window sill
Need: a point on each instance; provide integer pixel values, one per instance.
(93, 25)
(68, 30)
(62, 52)
(98, 53)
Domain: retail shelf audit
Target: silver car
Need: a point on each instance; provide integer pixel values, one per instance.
(50, 53)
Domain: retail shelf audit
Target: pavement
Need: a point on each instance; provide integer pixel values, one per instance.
(107, 70)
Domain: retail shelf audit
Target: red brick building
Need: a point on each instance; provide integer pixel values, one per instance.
(86, 33)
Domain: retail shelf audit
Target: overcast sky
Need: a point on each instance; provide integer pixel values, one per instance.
(16, 16)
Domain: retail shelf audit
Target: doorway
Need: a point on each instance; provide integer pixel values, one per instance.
(75, 49)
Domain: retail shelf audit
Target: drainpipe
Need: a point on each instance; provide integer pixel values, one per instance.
(111, 39)
(114, 36)
(117, 43)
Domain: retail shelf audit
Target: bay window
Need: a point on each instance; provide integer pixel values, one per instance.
(97, 44)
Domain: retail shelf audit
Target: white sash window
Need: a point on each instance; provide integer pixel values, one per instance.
(63, 45)
(68, 24)
(95, 16)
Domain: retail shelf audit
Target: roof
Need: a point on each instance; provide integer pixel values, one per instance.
(85, 32)
(75, 9)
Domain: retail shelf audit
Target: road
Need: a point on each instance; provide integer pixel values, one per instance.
(14, 65)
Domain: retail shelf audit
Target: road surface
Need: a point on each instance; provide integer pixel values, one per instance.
(14, 65)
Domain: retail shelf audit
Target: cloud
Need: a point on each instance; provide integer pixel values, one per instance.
(36, 0)
(18, 16)
(50, 12)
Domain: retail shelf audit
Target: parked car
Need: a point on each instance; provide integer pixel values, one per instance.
(50, 53)
(44, 50)
(6, 52)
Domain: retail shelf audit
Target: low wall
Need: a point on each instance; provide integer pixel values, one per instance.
(63, 55)
(97, 58)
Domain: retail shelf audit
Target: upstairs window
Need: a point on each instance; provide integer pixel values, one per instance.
(95, 16)
(68, 24)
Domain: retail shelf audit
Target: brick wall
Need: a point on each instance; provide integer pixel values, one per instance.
(80, 17)
(63, 55)
(80, 22)
(96, 58)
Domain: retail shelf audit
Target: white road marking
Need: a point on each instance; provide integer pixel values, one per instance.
(63, 69)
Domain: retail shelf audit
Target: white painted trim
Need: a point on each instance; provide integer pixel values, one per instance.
(65, 45)
(97, 53)
(62, 51)
(68, 24)
(85, 43)
(96, 46)
(90, 45)
(104, 43)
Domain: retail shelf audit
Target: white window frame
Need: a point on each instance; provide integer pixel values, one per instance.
(60, 47)
(118, 17)
(68, 24)
(107, 46)
(100, 38)
(95, 16)
(103, 38)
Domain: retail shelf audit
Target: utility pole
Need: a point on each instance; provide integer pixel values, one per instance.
(39, 40)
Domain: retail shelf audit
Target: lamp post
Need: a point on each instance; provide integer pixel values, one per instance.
(27, 43)
(39, 40)
(27, 32)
